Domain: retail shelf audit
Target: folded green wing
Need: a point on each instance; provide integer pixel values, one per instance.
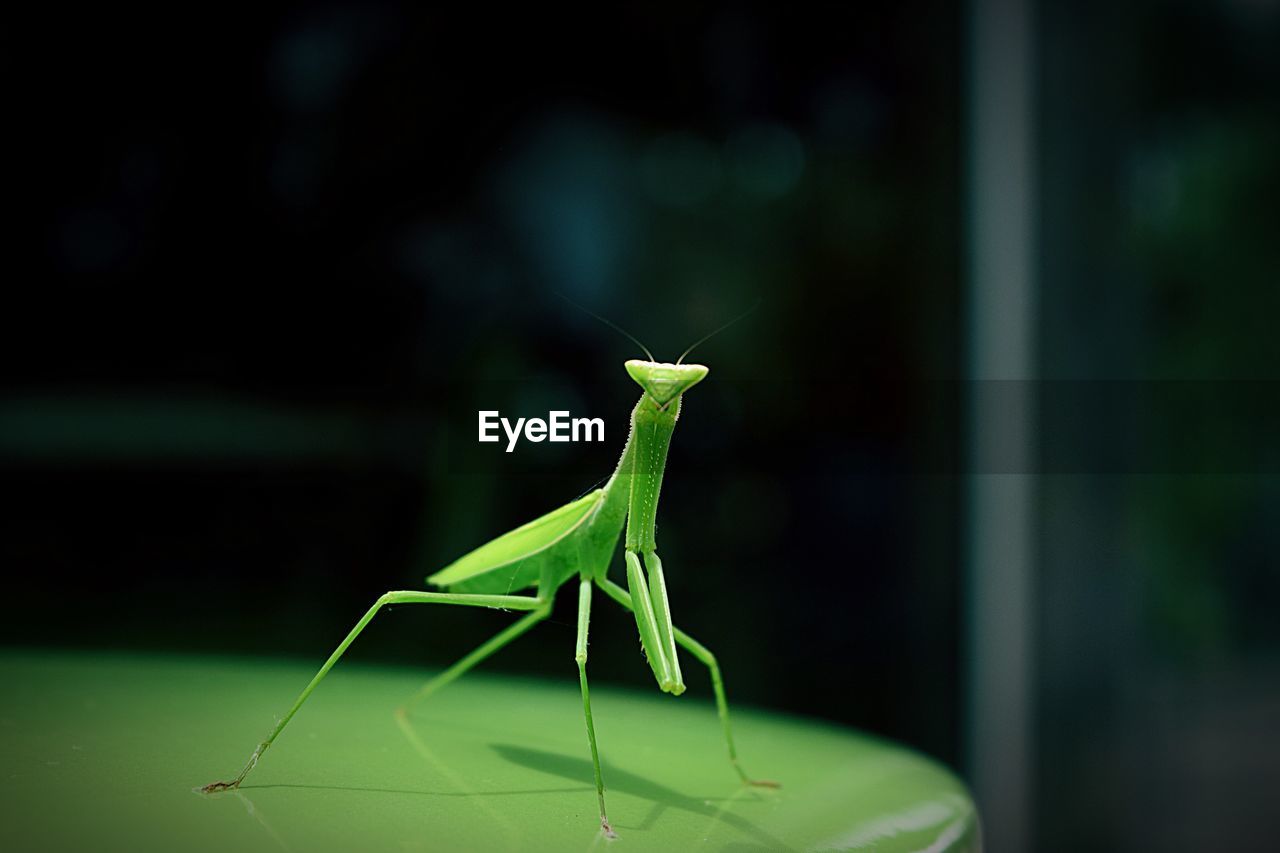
(520, 544)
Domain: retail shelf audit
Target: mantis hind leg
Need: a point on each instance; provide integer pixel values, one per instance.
(483, 651)
(502, 602)
(704, 655)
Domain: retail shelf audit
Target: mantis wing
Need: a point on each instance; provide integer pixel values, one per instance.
(513, 549)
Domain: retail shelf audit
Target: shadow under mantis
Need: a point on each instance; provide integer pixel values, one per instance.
(575, 770)
(580, 770)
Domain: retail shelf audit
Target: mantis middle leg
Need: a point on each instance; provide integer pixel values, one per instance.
(703, 654)
(584, 622)
(503, 602)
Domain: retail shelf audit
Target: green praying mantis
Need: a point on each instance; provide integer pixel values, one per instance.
(576, 540)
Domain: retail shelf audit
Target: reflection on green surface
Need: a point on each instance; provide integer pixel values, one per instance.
(102, 752)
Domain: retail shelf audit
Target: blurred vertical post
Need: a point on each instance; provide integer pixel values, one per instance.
(1001, 222)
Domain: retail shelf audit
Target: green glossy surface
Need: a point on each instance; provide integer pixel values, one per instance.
(102, 752)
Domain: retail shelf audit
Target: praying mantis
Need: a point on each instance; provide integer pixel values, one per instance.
(576, 540)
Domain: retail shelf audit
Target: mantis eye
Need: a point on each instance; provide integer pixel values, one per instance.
(664, 382)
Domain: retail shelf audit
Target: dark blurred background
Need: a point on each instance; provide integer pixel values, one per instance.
(991, 471)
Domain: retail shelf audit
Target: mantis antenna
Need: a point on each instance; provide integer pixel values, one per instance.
(608, 323)
(709, 335)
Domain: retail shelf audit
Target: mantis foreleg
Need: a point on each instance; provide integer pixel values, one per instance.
(662, 615)
(703, 654)
(641, 605)
(503, 602)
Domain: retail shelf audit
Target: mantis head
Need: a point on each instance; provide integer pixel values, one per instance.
(663, 381)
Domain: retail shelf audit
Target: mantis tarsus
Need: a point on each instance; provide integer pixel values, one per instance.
(577, 539)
